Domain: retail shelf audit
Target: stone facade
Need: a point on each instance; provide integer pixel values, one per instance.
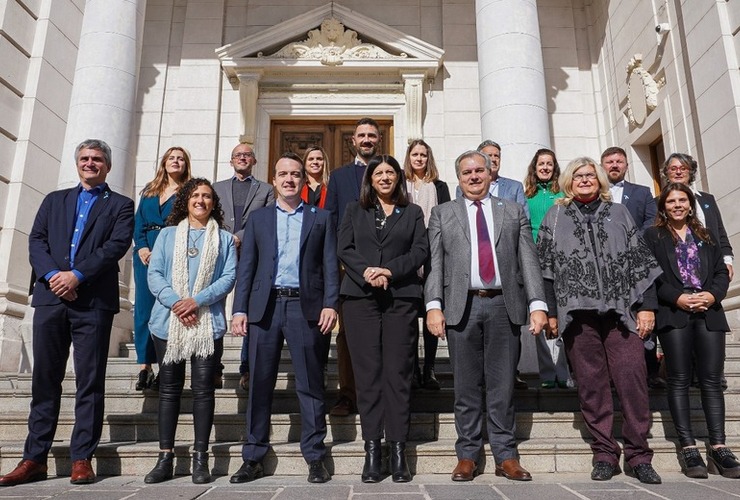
(574, 75)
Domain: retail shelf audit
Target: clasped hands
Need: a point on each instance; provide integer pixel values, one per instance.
(64, 285)
(186, 311)
(377, 276)
(695, 302)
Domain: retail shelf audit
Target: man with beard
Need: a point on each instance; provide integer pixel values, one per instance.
(344, 187)
(641, 206)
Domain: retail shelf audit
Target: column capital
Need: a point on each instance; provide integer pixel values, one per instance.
(413, 88)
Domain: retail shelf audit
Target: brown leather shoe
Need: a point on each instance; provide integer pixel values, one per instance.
(510, 469)
(25, 472)
(465, 470)
(82, 472)
(343, 408)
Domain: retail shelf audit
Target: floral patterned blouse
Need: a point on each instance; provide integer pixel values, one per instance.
(687, 255)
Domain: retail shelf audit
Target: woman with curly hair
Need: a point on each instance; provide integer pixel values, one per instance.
(691, 325)
(541, 188)
(192, 269)
(155, 206)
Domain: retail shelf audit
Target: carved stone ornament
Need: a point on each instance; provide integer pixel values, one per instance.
(331, 44)
(642, 91)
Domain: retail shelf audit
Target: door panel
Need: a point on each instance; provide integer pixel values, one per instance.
(334, 136)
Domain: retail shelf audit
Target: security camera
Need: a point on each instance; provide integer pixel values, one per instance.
(662, 28)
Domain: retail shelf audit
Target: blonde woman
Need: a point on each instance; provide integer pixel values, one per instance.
(317, 176)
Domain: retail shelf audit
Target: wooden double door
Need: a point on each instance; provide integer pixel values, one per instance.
(334, 136)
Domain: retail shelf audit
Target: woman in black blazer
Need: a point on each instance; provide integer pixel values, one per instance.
(425, 189)
(382, 243)
(691, 324)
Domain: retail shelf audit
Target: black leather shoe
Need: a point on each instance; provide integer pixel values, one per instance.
(163, 470)
(317, 472)
(643, 472)
(373, 461)
(430, 380)
(722, 461)
(604, 471)
(398, 465)
(249, 471)
(201, 472)
(692, 465)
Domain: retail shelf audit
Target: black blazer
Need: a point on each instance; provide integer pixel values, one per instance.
(714, 277)
(443, 192)
(714, 223)
(343, 190)
(105, 240)
(402, 248)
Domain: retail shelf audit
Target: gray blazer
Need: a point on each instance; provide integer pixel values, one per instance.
(260, 194)
(518, 265)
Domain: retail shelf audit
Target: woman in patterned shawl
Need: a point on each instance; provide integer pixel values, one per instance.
(599, 278)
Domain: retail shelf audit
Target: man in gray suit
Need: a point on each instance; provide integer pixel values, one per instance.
(240, 196)
(484, 281)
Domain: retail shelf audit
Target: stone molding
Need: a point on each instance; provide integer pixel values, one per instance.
(642, 91)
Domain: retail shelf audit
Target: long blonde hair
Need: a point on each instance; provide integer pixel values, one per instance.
(158, 185)
(325, 171)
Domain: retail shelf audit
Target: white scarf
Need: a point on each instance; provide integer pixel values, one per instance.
(186, 341)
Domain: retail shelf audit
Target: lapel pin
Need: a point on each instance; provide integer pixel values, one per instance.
(500, 204)
(398, 210)
(706, 205)
(106, 195)
(626, 197)
(313, 210)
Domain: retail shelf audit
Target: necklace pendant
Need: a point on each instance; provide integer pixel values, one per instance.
(193, 252)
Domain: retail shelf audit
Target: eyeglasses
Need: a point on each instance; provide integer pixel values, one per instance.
(581, 177)
(678, 168)
(243, 155)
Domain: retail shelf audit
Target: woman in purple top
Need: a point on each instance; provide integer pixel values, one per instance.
(691, 325)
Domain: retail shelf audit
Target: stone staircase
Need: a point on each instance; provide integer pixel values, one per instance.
(549, 425)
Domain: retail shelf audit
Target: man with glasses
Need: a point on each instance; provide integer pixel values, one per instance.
(240, 196)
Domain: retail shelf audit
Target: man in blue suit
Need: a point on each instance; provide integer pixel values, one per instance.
(643, 209)
(287, 289)
(344, 188)
(77, 239)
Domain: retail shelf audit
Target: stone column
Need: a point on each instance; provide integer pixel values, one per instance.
(513, 100)
(104, 92)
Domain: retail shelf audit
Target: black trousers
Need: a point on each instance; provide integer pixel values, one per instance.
(55, 328)
(381, 333)
(708, 347)
(171, 382)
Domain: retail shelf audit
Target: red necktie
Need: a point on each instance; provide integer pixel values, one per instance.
(485, 251)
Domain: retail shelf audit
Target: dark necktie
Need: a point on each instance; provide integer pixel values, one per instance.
(485, 252)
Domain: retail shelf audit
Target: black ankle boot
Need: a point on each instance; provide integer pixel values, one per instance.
(201, 473)
(722, 461)
(162, 471)
(399, 468)
(373, 461)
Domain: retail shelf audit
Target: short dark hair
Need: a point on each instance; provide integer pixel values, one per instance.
(613, 151)
(292, 156)
(368, 196)
(98, 145)
(368, 121)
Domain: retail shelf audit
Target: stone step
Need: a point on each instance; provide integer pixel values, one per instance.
(539, 456)
(142, 427)
(234, 400)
